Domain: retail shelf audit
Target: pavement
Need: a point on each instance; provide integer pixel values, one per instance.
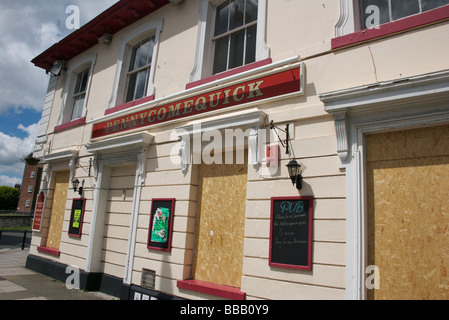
(20, 283)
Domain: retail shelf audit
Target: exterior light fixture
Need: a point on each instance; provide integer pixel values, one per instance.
(175, 3)
(76, 187)
(105, 39)
(294, 171)
(294, 168)
(58, 67)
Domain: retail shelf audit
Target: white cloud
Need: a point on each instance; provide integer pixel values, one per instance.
(28, 28)
(9, 181)
(13, 149)
(49, 34)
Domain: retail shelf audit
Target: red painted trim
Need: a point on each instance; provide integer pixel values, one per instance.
(129, 105)
(388, 29)
(51, 251)
(229, 73)
(308, 267)
(212, 289)
(70, 124)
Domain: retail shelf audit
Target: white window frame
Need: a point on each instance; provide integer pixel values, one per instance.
(349, 14)
(67, 103)
(130, 73)
(350, 18)
(76, 95)
(204, 56)
(152, 28)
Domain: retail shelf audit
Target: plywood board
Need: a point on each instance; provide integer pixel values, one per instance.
(408, 219)
(220, 224)
(58, 209)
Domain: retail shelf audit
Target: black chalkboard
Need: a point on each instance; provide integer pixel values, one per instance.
(77, 217)
(291, 232)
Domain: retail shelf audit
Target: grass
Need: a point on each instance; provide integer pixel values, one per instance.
(16, 229)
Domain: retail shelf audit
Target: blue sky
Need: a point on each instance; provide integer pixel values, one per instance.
(29, 27)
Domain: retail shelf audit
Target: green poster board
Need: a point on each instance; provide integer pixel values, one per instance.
(161, 223)
(76, 218)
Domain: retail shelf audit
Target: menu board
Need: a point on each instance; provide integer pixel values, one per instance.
(291, 232)
(38, 212)
(76, 218)
(161, 224)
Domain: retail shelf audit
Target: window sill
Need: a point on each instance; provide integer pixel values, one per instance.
(392, 28)
(212, 289)
(228, 73)
(70, 124)
(128, 105)
(51, 251)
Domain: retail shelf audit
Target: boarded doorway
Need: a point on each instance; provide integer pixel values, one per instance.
(58, 209)
(220, 224)
(408, 213)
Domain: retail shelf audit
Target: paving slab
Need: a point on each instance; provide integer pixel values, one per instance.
(20, 283)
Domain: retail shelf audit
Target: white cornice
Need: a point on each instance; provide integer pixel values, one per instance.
(389, 93)
(414, 96)
(128, 142)
(61, 156)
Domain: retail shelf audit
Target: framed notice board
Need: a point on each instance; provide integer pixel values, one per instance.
(161, 224)
(291, 232)
(77, 218)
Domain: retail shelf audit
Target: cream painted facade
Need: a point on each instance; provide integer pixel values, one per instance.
(380, 84)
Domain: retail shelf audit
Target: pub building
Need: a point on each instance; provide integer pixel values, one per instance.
(248, 149)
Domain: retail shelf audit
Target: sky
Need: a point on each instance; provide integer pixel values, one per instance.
(27, 28)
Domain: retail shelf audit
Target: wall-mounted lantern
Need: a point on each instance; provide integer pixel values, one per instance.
(294, 171)
(294, 168)
(76, 187)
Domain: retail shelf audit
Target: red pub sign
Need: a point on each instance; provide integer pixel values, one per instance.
(258, 89)
(37, 221)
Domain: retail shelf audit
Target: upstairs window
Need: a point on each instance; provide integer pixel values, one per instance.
(364, 20)
(139, 69)
(235, 34)
(377, 12)
(76, 91)
(231, 39)
(79, 94)
(135, 68)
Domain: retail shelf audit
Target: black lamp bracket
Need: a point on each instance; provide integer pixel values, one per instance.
(90, 166)
(285, 143)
